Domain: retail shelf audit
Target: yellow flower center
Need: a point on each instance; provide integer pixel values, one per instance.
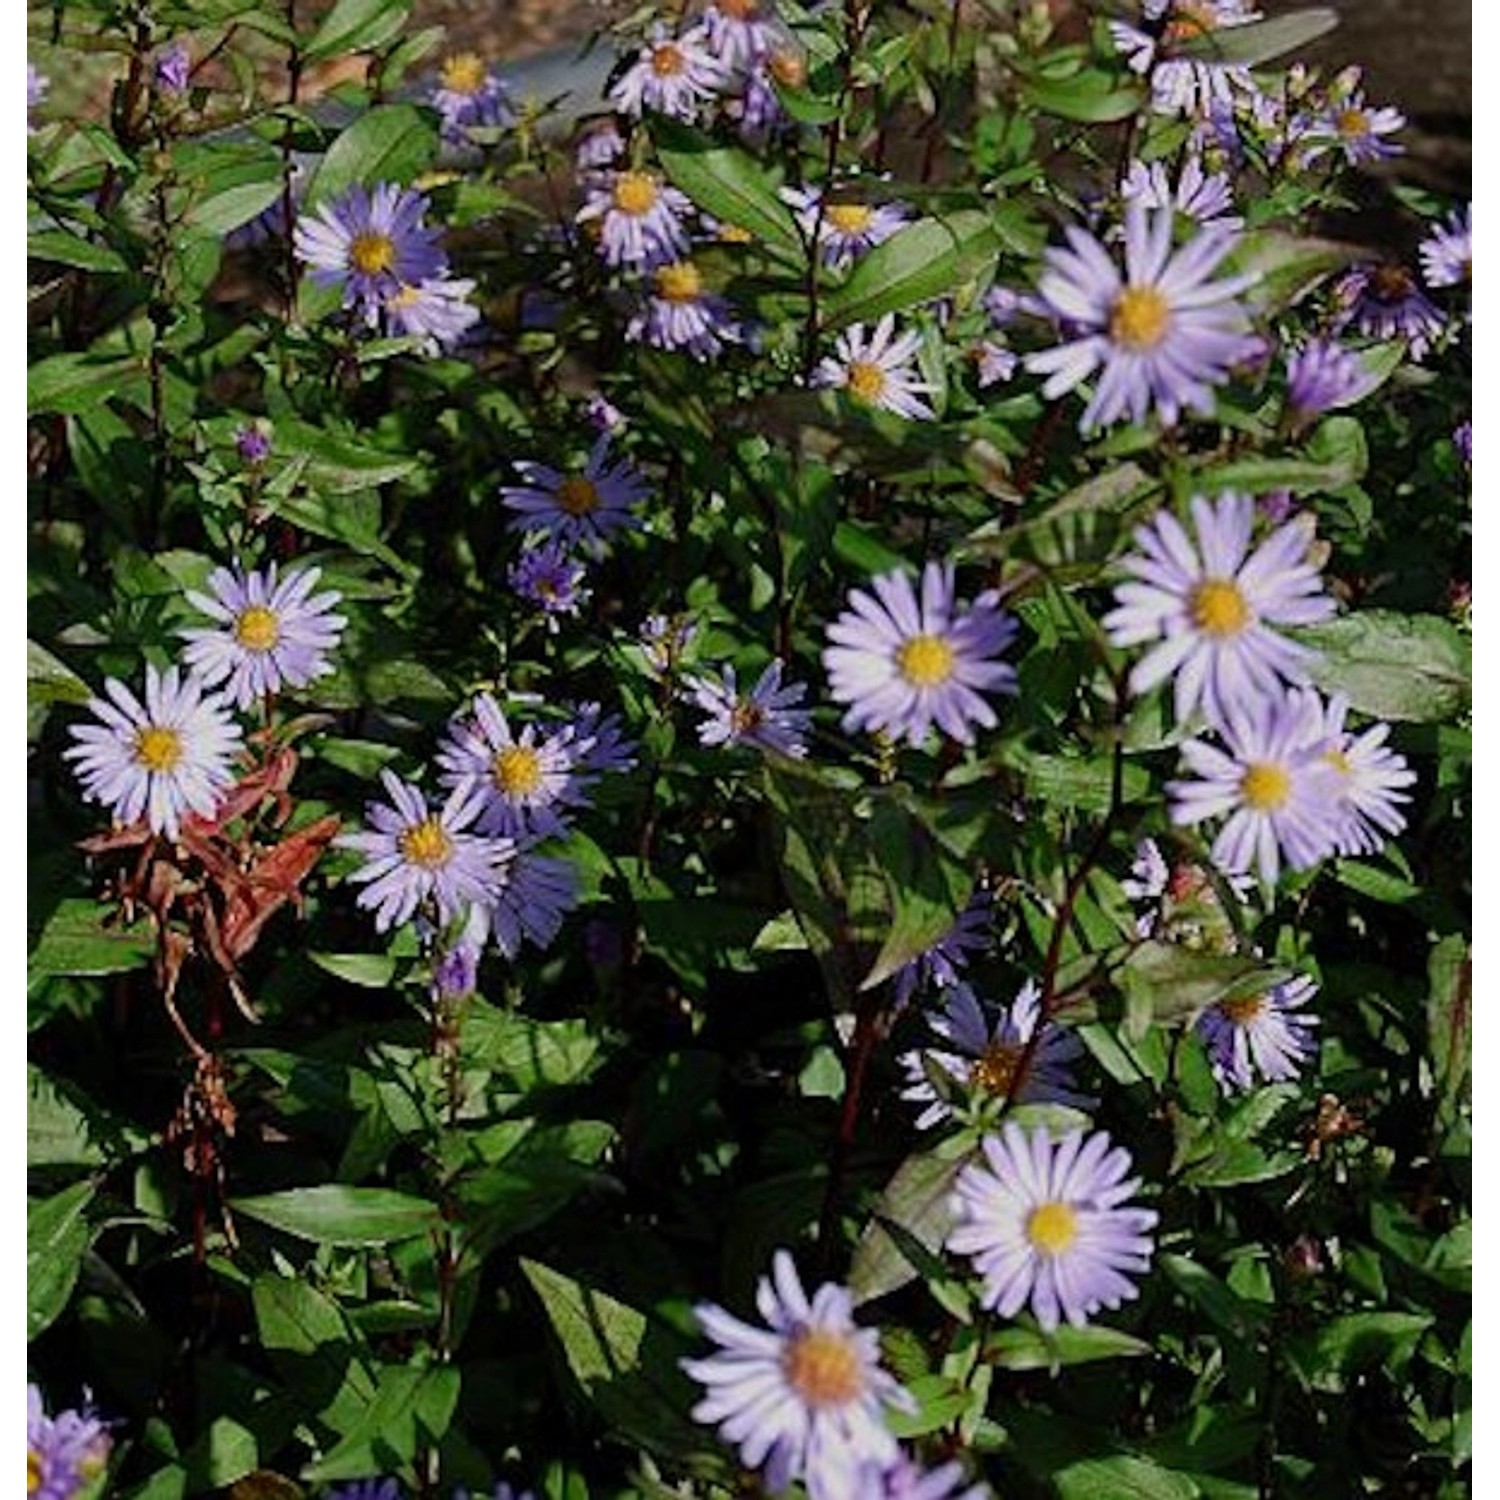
(34, 1471)
(404, 296)
(158, 748)
(257, 628)
(1244, 1010)
(372, 253)
(1353, 123)
(517, 770)
(1265, 787)
(788, 68)
(635, 193)
(1190, 18)
(925, 660)
(680, 283)
(824, 1367)
(1140, 318)
(464, 73)
(995, 1071)
(1219, 608)
(866, 379)
(667, 61)
(732, 234)
(1052, 1227)
(577, 495)
(426, 844)
(849, 218)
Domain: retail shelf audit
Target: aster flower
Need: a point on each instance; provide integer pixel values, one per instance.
(438, 312)
(1352, 127)
(878, 370)
(538, 892)
(903, 664)
(1184, 85)
(981, 1055)
(741, 33)
(468, 94)
(598, 746)
(63, 1453)
(1385, 302)
(906, 1480)
(1165, 332)
(548, 576)
(845, 228)
(173, 68)
(1265, 1033)
(679, 312)
(1047, 1225)
(939, 964)
(765, 717)
(757, 107)
(253, 443)
(1272, 783)
(994, 362)
(1204, 197)
(603, 415)
(673, 75)
(415, 855)
(370, 244)
(384, 1488)
(164, 757)
(1322, 376)
(599, 146)
(1448, 252)
(640, 219)
(805, 1398)
(584, 507)
(270, 635)
(1209, 608)
(455, 973)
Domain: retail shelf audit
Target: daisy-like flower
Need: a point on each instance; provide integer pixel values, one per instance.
(598, 746)
(1385, 302)
(469, 94)
(804, 1398)
(1165, 332)
(673, 75)
(994, 363)
(438, 312)
(1209, 608)
(681, 313)
(270, 635)
(1184, 85)
(1323, 375)
(939, 965)
(1352, 127)
(582, 507)
(173, 68)
(1264, 1033)
(757, 108)
(164, 757)
(1448, 252)
(904, 663)
(906, 1480)
(548, 576)
(1204, 197)
(765, 717)
(640, 219)
(601, 145)
(741, 33)
(63, 1453)
(414, 855)
(538, 892)
(371, 244)
(1274, 785)
(845, 228)
(1047, 1225)
(983, 1056)
(878, 369)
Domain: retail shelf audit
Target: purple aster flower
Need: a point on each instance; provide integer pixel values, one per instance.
(741, 33)
(253, 443)
(1352, 127)
(1385, 302)
(1265, 1033)
(1322, 376)
(1184, 85)
(878, 369)
(270, 635)
(981, 1056)
(548, 576)
(1273, 784)
(371, 244)
(1448, 252)
(757, 108)
(173, 68)
(845, 229)
(601, 145)
(903, 664)
(640, 219)
(994, 362)
(1047, 1225)
(604, 416)
(939, 964)
(805, 1398)
(673, 75)
(468, 94)
(64, 1453)
(438, 312)
(1165, 332)
(537, 893)
(1204, 197)
(905, 1480)
(681, 313)
(1208, 608)
(765, 717)
(574, 508)
(666, 641)
(455, 974)
(414, 855)
(527, 780)
(599, 748)
(162, 758)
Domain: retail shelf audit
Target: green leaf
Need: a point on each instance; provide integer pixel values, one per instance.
(74, 382)
(1122, 1478)
(57, 1235)
(1031, 1349)
(532, 1054)
(49, 681)
(1450, 1017)
(1260, 41)
(1393, 666)
(371, 971)
(389, 143)
(916, 264)
(234, 206)
(918, 1200)
(1165, 982)
(1346, 1345)
(1091, 95)
(335, 1214)
(75, 941)
(1287, 267)
(411, 1411)
(66, 1129)
(728, 183)
(67, 249)
(358, 26)
(1336, 455)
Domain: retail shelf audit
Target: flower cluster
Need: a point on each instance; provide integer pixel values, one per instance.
(64, 1453)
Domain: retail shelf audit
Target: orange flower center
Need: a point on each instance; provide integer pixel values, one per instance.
(866, 379)
(577, 495)
(1265, 787)
(257, 628)
(746, 716)
(1391, 283)
(788, 68)
(464, 73)
(739, 10)
(996, 1070)
(824, 1368)
(426, 844)
(1219, 608)
(635, 193)
(680, 283)
(158, 748)
(1353, 123)
(372, 253)
(1140, 318)
(1052, 1228)
(1242, 1011)
(925, 660)
(1190, 19)
(667, 61)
